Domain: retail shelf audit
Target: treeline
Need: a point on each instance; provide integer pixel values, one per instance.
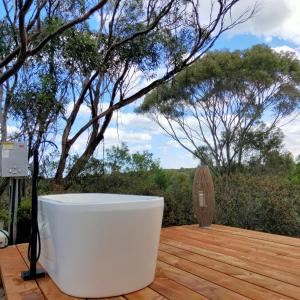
(57, 60)
(259, 198)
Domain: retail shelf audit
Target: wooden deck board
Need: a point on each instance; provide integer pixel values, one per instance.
(11, 265)
(251, 250)
(219, 262)
(256, 279)
(268, 271)
(146, 293)
(245, 243)
(281, 264)
(46, 285)
(257, 235)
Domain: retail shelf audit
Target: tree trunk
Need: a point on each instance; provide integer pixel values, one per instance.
(62, 162)
(89, 151)
(2, 115)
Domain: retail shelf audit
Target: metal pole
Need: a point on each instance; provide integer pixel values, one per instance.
(13, 207)
(16, 206)
(34, 208)
(33, 272)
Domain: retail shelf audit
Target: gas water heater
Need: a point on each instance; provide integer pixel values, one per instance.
(14, 165)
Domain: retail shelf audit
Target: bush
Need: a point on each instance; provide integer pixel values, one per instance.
(178, 201)
(24, 223)
(267, 203)
(3, 216)
(260, 202)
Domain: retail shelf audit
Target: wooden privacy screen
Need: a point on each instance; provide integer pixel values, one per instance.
(203, 196)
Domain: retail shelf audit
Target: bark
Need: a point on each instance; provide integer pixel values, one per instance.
(3, 134)
(66, 143)
(94, 142)
(22, 52)
(202, 44)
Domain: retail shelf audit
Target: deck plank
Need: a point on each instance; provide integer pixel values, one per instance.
(256, 279)
(174, 291)
(197, 284)
(216, 263)
(245, 243)
(146, 293)
(282, 264)
(110, 298)
(12, 265)
(231, 283)
(247, 250)
(258, 235)
(46, 285)
(236, 261)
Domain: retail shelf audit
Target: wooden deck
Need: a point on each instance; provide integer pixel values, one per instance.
(216, 263)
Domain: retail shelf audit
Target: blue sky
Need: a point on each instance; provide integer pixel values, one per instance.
(276, 24)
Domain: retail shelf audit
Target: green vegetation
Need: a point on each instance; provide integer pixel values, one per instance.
(262, 202)
(56, 62)
(225, 108)
(252, 199)
(57, 59)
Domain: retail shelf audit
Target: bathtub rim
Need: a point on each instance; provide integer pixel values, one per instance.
(138, 201)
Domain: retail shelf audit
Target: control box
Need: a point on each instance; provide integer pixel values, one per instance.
(13, 159)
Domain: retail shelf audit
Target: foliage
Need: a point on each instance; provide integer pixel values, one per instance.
(296, 172)
(217, 107)
(261, 202)
(3, 215)
(119, 159)
(24, 219)
(258, 198)
(69, 62)
(27, 28)
(178, 201)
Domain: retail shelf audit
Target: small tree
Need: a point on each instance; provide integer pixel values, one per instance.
(216, 108)
(26, 28)
(100, 60)
(154, 39)
(118, 159)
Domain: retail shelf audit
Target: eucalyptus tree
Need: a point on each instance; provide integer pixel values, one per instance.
(97, 64)
(152, 40)
(27, 28)
(224, 108)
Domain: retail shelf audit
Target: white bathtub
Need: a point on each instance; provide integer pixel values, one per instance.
(99, 245)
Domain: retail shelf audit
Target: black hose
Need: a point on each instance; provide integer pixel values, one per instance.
(39, 249)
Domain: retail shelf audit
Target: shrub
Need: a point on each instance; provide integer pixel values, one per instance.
(260, 202)
(267, 203)
(24, 217)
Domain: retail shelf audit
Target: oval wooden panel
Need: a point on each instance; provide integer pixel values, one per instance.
(203, 196)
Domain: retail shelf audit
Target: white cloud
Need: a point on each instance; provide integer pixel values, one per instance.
(133, 120)
(140, 148)
(114, 135)
(285, 48)
(291, 129)
(274, 18)
(12, 129)
(83, 111)
(268, 39)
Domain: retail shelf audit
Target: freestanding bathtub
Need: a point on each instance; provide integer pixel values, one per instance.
(99, 245)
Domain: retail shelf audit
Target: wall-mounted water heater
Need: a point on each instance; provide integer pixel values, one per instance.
(13, 164)
(13, 159)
